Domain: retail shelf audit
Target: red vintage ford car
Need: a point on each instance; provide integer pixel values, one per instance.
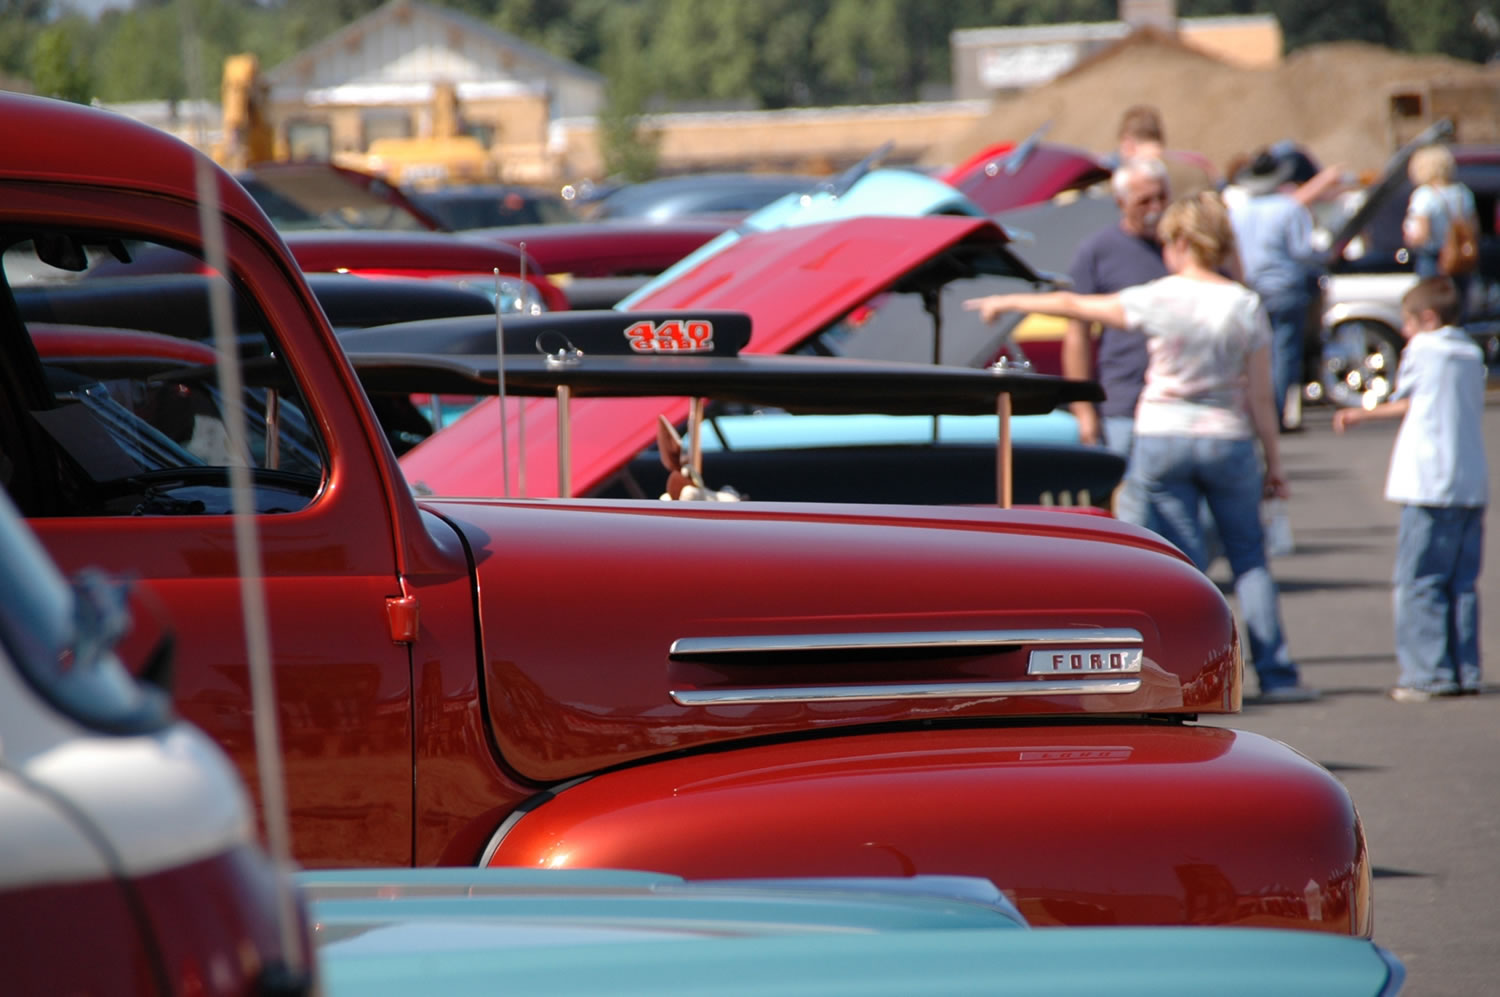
(730, 690)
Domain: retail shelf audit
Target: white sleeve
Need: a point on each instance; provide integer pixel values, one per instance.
(1408, 374)
(1139, 302)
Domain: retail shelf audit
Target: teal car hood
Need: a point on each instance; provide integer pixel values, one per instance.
(468, 931)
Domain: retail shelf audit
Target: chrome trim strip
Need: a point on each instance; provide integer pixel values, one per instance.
(515, 816)
(910, 640)
(744, 696)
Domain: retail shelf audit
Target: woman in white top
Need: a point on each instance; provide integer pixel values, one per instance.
(1206, 402)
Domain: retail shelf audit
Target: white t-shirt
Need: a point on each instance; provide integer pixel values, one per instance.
(1199, 338)
(1439, 454)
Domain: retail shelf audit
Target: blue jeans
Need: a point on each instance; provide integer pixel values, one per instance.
(1435, 599)
(1177, 475)
(1130, 504)
(1288, 314)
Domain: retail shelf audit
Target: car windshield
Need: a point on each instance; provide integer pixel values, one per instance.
(470, 209)
(121, 388)
(319, 198)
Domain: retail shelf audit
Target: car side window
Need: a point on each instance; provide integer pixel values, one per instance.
(115, 404)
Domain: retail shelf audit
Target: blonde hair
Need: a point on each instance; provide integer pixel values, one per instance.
(1431, 164)
(1202, 221)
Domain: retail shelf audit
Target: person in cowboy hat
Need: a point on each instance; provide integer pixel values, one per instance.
(1274, 231)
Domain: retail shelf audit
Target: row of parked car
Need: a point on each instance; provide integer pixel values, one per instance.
(813, 744)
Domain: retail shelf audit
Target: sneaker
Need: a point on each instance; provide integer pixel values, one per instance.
(1289, 694)
(1408, 694)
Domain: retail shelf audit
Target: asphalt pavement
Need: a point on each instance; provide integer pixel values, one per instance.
(1424, 777)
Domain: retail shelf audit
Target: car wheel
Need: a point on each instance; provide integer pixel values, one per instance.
(1356, 364)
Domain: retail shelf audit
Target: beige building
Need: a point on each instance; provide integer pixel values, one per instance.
(379, 78)
(988, 62)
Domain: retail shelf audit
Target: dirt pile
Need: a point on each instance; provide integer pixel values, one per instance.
(1330, 98)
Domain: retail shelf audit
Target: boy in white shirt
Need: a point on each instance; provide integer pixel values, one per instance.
(1439, 476)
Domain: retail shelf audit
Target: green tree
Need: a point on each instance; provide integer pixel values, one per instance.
(732, 51)
(59, 63)
(19, 25)
(140, 56)
(1452, 27)
(628, 148)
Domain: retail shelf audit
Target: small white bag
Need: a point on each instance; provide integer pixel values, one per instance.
(1276, 522)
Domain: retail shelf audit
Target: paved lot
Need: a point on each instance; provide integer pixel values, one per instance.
(1426, 778)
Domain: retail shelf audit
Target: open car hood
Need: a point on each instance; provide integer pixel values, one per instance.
(793, 283)
(900, 193)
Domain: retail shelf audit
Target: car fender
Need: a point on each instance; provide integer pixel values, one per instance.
(1081, 823)
(1388, 315)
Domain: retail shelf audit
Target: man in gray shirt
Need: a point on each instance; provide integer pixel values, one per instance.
(1111, 260)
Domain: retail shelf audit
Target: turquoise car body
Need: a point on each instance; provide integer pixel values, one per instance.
(780, 431)
(485, 931)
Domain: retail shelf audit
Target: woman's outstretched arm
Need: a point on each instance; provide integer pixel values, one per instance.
(1102, 308)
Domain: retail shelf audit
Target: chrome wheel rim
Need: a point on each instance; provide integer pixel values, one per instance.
(1357, 366)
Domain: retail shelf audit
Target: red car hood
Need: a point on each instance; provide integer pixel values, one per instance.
(792, 283)
(1046, 171)
(687, 648)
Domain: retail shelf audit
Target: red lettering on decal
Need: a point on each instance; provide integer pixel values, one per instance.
(671, 336)
(641, 336)
(701, 334)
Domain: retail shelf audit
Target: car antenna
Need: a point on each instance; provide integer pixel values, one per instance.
(1016, 158)
(838, 186)
(520, 403)
(294, 973)
(500, 373)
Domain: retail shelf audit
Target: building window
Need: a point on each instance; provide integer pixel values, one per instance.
(309, 141)
(385, 124)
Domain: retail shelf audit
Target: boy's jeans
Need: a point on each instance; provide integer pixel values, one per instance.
(1176, 475)
(1436, 603)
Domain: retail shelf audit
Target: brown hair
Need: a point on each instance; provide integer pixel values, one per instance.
(1435, 294)
(1143, 123)
(1203, 221)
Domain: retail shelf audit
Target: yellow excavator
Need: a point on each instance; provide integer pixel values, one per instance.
(248, 136)
(446, 156)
